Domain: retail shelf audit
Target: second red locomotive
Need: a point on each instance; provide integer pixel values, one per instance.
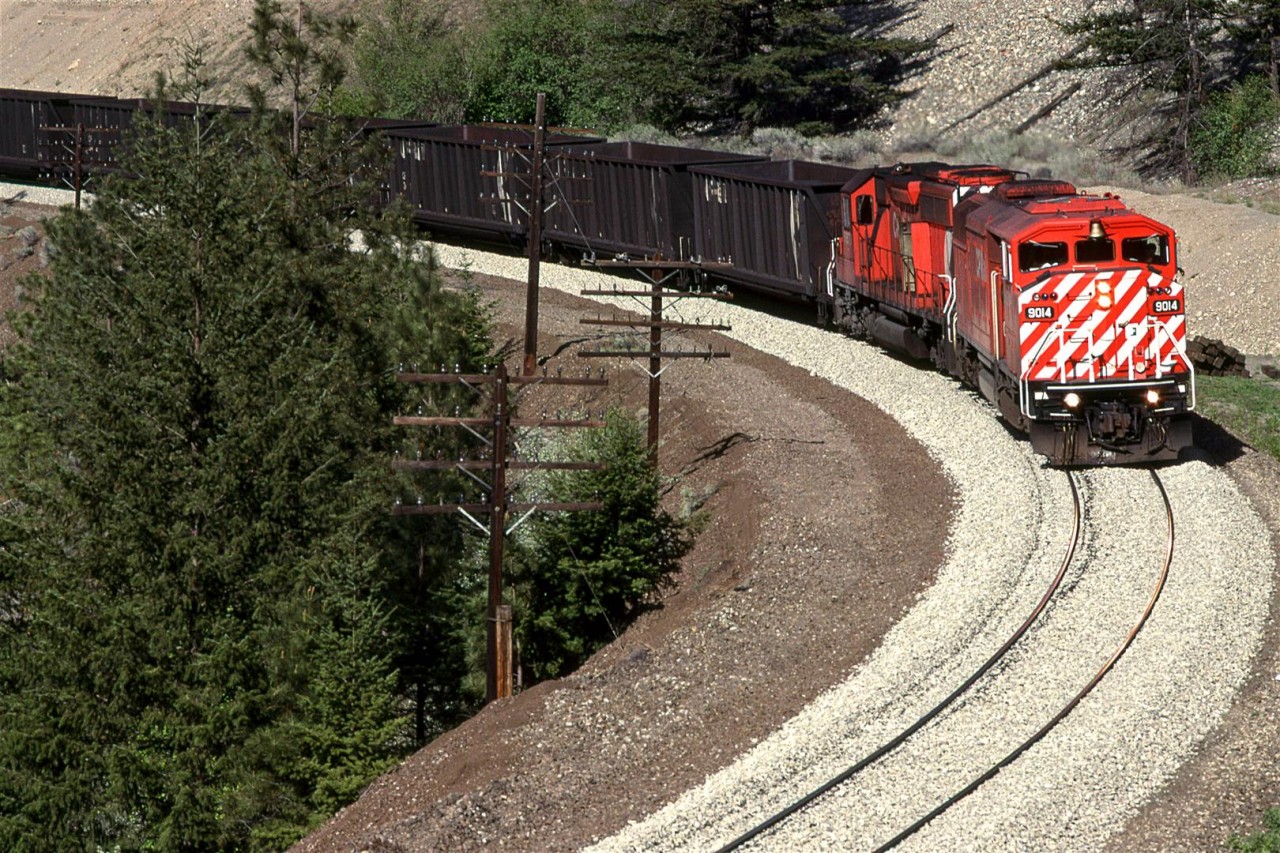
(1063, 309)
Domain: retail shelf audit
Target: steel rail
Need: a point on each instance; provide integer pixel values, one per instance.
(1070, 706)
(906, 733)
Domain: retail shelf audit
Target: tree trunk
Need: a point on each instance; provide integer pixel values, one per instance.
(1274, 65)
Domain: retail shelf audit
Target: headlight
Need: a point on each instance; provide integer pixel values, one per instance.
(1104, 301)
(1153, 396)
(1071, 399)
(1104, 287)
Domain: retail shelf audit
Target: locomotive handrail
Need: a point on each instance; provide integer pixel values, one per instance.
(948, 307)
(831, 267)
(1024, 380)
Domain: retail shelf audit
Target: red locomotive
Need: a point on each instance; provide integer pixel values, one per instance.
(1063, 309)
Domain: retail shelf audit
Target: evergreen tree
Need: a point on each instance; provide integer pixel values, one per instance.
(1169, 47)
(1255, 26)
(740, 64)
(580, 578)
(197, 641)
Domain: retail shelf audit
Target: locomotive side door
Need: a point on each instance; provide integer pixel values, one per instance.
(997, 263)
(864, 218)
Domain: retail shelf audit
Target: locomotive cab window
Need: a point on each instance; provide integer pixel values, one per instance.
(1038, 256)
(1094, 251)
(866, 210)
(1145, 250)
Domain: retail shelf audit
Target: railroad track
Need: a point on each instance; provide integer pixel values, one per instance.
(781, 816)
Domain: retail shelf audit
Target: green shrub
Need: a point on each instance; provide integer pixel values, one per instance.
(1267, 841)
(860, 148)
(780, 143)
(577, 579)
(1233, 137)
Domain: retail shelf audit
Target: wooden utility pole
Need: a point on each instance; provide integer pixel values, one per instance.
(82, 152)
(535, 237)
(497, 387)
(535, 179)
(659, 272)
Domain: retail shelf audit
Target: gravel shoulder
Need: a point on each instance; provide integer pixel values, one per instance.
(1234, 775)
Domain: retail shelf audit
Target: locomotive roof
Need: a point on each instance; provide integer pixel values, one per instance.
(1011, 218)
(913, 177)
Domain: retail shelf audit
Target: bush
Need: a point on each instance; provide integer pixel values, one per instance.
(780, 143)
(1267, 841)
(578, 579)
(1233, 138)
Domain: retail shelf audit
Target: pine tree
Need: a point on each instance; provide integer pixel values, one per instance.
(1255, 26)
(580, 578)
(741, 64)
(196, 638)
(1169, 47)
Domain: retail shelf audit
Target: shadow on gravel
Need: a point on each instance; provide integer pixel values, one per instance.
(1213, 444)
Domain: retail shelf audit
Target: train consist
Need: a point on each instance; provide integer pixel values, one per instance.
(1062, 309)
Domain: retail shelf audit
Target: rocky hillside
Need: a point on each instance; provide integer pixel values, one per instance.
(987, 48)
(777, 593)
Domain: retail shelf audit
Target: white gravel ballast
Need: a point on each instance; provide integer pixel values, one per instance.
(1078, 785)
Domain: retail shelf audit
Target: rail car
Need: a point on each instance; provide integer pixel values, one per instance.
(1064, 310)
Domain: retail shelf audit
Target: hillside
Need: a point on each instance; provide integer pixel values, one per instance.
(115, 47)
(667, 702)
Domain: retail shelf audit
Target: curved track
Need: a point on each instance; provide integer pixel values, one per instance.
(929, 715)
(1162, 577)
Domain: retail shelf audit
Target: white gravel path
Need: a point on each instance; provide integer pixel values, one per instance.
(1076, 787)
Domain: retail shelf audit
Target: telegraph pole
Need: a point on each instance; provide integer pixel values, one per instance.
(534, 179)
(498, 387)
(659, 273)
(535, 237)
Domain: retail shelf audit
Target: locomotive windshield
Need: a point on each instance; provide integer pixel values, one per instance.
(1145, 250)
(1095, 251)
(1151, 249)
(1039, 256)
